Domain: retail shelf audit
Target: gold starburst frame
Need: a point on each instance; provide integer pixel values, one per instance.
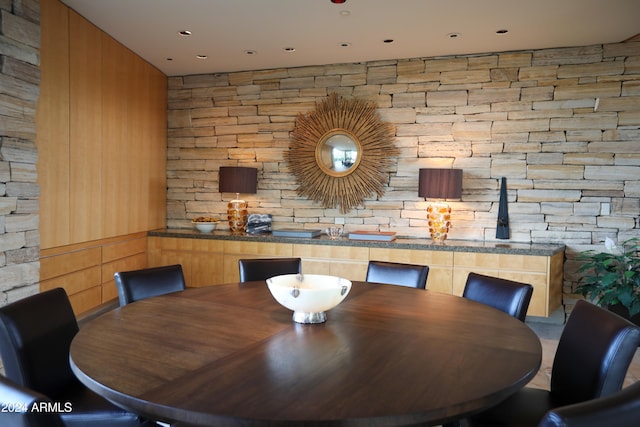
(359, 120)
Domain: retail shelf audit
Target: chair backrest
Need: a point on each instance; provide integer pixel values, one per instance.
(593, 354)
(136, 285)
(23, 407)
(264, 268)
(509, 296)
(620, 409)
(35, 336)
(394, 273)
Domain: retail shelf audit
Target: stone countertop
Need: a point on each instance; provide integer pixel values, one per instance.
(511, 248)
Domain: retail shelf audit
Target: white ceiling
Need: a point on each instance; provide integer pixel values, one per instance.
(225, 29)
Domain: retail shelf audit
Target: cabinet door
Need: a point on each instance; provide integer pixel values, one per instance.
(520, 268)
(349, 262)
(440, 264)
(86, 147)
(52, 119)
(207, 262)
(201, 259)
(235, 250)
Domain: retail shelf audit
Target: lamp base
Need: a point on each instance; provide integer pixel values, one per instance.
(237, 215)
(439, 216)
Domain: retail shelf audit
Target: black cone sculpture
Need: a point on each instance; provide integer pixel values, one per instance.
(502, 229)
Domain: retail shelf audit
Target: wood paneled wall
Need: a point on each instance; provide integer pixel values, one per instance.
(102, 144)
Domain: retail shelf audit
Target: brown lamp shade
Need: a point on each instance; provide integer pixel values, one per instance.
(440, 183)
(233, 179)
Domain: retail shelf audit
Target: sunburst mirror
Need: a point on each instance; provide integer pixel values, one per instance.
(341, 153)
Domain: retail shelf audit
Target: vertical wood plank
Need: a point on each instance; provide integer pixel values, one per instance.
(85, 129)
(116, 173)
(52, 123)
(155, 138)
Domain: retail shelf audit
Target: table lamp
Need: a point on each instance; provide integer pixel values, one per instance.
(439, 184)
(235, 179)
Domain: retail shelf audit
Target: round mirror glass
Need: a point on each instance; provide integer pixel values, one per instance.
(338, 153)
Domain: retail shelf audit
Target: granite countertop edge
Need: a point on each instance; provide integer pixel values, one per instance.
(497, 247)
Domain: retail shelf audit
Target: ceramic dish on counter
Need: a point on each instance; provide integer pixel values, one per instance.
(205, 224)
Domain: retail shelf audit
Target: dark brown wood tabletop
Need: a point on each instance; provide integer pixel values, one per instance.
(230, 355)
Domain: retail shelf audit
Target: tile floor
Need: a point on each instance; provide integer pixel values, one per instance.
(549, 335)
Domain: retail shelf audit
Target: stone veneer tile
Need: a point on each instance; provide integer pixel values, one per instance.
(571, 55)
(446, 64)
(596, 90)
(517, 59)
(591, 70)
(464, 77)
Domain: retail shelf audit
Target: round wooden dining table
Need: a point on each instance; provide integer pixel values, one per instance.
(230, 355)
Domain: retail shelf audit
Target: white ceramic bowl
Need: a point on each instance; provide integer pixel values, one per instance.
(309, 295)
(205, 227)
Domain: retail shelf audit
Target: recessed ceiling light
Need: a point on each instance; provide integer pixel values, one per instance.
(169, 59)
(201, 56)
(501, 32)
(345, 12)
(289, 49)
(344, 44)
(388, 41)
(453, 35)
(184, 33)
(250, 52)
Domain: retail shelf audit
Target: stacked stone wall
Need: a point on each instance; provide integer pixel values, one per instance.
(562, 125)
(19, 191)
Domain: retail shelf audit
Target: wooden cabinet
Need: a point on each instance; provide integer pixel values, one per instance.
(102, 151)
(214, 259)
(101, 134)
(86, 270)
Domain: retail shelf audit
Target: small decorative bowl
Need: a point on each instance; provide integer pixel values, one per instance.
(334, 232)
(205, 225)
(309, 295)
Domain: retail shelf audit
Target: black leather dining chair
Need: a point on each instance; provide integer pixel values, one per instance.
(136, 285)
(263, 268)
(35, 337)
(591, 361)
(23, 407)
(507, 295)
(621, 409)
(395, 273)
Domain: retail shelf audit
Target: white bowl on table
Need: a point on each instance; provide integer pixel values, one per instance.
(309, 295)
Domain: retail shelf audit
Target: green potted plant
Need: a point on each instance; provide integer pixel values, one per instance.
(611, 279)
